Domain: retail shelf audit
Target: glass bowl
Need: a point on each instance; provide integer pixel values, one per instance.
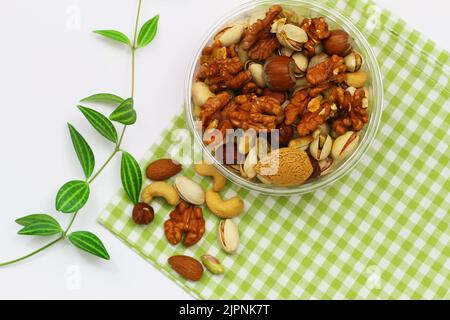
(336, 20)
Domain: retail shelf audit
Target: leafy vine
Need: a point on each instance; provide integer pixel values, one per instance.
(73, 195)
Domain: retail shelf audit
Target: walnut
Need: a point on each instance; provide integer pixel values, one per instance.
(280, 96)
(352, 116)
(317, 29)
(310, 121)
(296, 106)
(212, 106)
(224, 73)
(258, 113)
(254, 32)
(315, 91)
(264, 48)
(185, 220)
(332, 69)
(251, 87)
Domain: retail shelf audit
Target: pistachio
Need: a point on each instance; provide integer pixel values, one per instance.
(301, 63)
(189, 190)
(228, 236)
(212, 264)
(291, 36)
(257, 71)
(344, 145)
(320, 148)
(201, 93)
(285, 52)
(231, 35)
(356, 79)
(250, 162)
(242, 54)
(325, 165)
(317, 59)
(277, 25)
(353, 61)
(302, 143)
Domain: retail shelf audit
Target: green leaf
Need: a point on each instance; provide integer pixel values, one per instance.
(100, 123)
(124, 113)
(107, 98)
(89, 242)
(114, 35)
(72, 196)
(148, 32)
(131, 177)
(41, 228)
(39, 217)
(83, 150)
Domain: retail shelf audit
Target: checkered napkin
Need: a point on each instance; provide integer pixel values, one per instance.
(382, 231)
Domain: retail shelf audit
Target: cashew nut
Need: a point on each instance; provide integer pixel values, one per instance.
(224, 209)
(161, 189)
(208, 170)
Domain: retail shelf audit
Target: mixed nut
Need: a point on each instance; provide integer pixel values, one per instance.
(281, 91)
(186, 223)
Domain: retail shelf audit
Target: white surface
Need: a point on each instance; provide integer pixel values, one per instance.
(46, 66)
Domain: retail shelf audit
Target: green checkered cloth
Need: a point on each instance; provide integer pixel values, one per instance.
(381, 232)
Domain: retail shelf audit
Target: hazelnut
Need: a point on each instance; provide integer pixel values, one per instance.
(143, 214)
(285, 134)
(338, 43)
(279, 73)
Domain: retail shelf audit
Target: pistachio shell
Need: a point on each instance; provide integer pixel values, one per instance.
(257, 71)
(301, 62)
(231, 35)
(292, 37)
(242, 54)
(250, 162)
(325, 165)
(228, 236)
(320, 148)
(277, 25)
(344, 145)
(302, 143)
(189, 190)
(246, 142)
(353, 61)
(201, 93)
(317, 59)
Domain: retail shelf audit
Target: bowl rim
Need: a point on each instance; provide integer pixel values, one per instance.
(369, 132)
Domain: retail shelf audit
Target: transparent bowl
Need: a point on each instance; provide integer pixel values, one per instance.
(374, 84)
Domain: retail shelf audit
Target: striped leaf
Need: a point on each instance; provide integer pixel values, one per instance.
(39, 217)
(83, 150)
(107, 98)
(41, 228)
(100, 123)
(72, 196)
(89, 242)
(114, 35)
(124, 113)
(148, 32)
(131, 177)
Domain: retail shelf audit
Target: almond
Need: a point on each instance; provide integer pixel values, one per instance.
(187, 267)
(163, 169)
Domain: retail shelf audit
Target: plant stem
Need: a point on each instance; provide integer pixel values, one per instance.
(32, 253)
(110, 158)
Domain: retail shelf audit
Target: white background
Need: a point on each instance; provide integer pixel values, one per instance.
(46, 66)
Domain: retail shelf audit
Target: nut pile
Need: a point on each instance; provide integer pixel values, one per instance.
(297, 89)
(186, 223)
